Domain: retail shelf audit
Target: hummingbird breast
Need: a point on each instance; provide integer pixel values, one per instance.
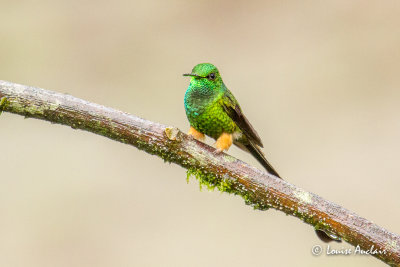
(206, 114)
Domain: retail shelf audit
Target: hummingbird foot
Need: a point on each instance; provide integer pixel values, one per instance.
(196, 134)
(224, 142)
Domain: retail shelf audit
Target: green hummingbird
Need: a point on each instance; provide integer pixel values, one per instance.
(212, 110)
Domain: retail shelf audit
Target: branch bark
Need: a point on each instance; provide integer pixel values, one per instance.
(225, 172)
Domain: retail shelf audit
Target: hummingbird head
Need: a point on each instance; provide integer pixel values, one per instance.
(205, 75)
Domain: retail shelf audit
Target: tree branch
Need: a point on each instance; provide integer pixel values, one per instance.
(225, 172)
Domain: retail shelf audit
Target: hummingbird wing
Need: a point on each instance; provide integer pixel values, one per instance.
(232, 108)
(252, 142)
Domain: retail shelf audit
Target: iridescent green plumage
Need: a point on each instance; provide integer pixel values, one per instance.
(202, 103)
(213, 110)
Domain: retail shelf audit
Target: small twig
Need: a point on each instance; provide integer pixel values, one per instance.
(225, 172)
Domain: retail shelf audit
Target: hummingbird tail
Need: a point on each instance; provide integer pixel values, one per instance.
(259, 155)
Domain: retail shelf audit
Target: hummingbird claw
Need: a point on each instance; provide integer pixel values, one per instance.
(196, 134)
(218, 151)
(224, 142)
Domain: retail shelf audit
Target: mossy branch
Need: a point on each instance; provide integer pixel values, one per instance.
(222, 171)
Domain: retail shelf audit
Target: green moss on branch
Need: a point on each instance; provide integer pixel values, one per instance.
(222, 171)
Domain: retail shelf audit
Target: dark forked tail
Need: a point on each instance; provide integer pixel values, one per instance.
(259, 155)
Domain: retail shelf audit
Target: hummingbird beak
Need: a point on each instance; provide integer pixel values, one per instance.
(192, 75)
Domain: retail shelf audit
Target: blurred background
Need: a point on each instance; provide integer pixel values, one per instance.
(318, 80)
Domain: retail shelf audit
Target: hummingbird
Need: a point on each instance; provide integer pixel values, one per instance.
(212, 110)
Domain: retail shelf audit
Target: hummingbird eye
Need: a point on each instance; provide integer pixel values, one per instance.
(211, 76)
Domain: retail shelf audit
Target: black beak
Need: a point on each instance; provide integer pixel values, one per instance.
(192, 75)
